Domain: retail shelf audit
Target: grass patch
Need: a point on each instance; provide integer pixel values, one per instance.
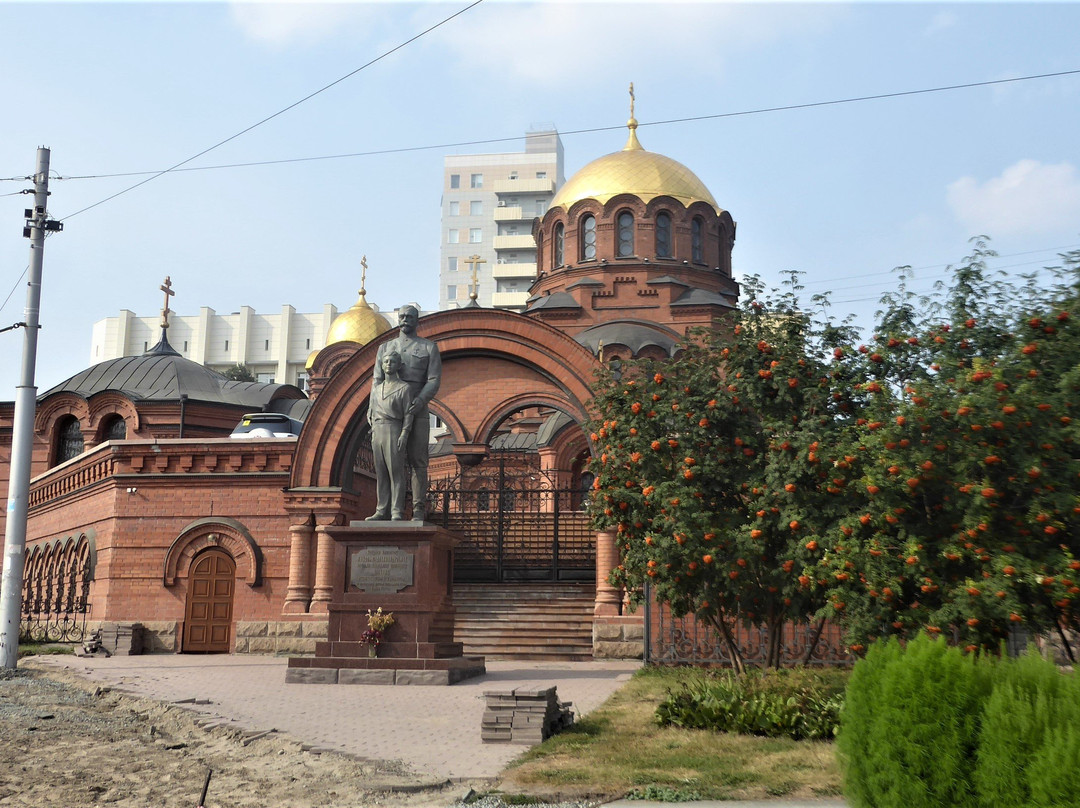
(619, 750)
(44, 649)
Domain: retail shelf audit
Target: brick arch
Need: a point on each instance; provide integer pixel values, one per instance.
(220, 532)
(496, 416)
(486, 353)
(110, 402)
(56, 407)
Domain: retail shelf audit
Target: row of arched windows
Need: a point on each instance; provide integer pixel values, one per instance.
(663, 238)
(69, 441)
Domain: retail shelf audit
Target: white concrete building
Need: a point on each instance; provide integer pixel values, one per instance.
(275, 346)
(489, 202)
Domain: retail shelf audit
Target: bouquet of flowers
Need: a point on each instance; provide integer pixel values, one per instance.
(378, 622)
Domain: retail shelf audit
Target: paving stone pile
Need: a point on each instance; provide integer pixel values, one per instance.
(523, 715)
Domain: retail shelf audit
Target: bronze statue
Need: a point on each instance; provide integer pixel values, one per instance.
(391, 424)
(421, 370)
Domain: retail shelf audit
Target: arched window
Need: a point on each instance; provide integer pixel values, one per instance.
(115, 428)
(588, 238)
(626, 234)
(663, 235)
(560, 244)
(697, 241)
(69, 439)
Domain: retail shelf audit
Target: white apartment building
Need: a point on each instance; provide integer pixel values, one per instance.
(275, 346)
(489, 202)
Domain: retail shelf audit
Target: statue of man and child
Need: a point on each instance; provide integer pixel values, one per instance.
(408, 370)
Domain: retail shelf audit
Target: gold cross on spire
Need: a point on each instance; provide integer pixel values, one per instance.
(363, 275)
(631, 99)
(472, 261)
(167, 289)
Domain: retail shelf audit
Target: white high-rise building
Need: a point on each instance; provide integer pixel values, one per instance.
(275, 346)
(489, 203)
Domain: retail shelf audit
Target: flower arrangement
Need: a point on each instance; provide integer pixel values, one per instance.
(378, 622)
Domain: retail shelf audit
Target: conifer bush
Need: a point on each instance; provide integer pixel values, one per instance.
(915, 742)
(929, 725)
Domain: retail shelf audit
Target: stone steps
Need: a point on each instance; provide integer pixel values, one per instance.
(525, 621)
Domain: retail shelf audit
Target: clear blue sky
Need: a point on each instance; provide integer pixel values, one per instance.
(843, 193)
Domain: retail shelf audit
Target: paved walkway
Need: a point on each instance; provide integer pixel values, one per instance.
(435, 730)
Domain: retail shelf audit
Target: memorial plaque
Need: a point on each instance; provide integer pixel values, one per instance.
(381, 570)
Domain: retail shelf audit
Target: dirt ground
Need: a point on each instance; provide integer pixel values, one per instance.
(66, 742)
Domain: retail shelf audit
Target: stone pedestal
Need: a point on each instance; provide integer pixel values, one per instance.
(405, 568)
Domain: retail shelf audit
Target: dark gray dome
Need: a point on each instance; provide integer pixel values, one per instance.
(161, 374)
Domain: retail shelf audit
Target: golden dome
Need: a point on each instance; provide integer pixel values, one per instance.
(360, 323)
(633, 170)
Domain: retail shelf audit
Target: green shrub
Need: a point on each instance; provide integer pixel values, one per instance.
(858, 717)
(915, 740)
(1025, 701)
(797, 703)
(927, 725)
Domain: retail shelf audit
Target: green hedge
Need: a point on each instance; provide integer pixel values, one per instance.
(797, 703)
(927, 725)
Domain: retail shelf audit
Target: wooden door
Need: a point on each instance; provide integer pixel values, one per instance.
(208, 617)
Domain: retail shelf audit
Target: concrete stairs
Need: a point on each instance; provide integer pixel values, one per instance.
(525, 621)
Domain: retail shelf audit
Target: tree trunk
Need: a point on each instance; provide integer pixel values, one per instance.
(724, 630)
(775, 641)
(813, 642)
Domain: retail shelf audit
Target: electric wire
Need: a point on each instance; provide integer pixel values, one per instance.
(282, 111)
(568, 133)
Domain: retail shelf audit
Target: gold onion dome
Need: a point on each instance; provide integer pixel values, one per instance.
(633, 170)
(360, 324)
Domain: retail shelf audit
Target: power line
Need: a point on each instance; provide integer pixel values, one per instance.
(492, 141)
(831, 279)
(295, 104)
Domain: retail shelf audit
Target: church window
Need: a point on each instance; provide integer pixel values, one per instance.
(69, 439)
(115, 429)
(560, 244)
(626, 234)
(588, 238)
(663, 235)
(697, 240)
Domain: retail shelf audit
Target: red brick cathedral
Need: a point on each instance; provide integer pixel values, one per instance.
(144, 511)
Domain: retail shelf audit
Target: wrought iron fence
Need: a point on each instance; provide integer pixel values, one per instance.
(56, 591)
(517, 524)
(687, 641)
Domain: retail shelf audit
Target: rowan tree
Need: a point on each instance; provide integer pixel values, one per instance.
(717, 468)
(970, 464)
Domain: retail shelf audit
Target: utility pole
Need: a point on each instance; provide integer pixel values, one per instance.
(11, 584)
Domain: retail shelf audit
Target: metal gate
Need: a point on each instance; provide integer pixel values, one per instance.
(517, 523)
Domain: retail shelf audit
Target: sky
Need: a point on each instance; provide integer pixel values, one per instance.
(840, 192)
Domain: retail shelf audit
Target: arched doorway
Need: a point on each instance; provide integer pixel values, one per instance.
(209, 611)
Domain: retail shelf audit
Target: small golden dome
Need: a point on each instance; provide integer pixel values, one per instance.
(633, 170)
(360, 323)
(311, 359)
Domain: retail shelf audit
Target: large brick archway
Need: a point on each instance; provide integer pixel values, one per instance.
(492, 361)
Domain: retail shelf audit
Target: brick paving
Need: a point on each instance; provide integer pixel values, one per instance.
(434, 730)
